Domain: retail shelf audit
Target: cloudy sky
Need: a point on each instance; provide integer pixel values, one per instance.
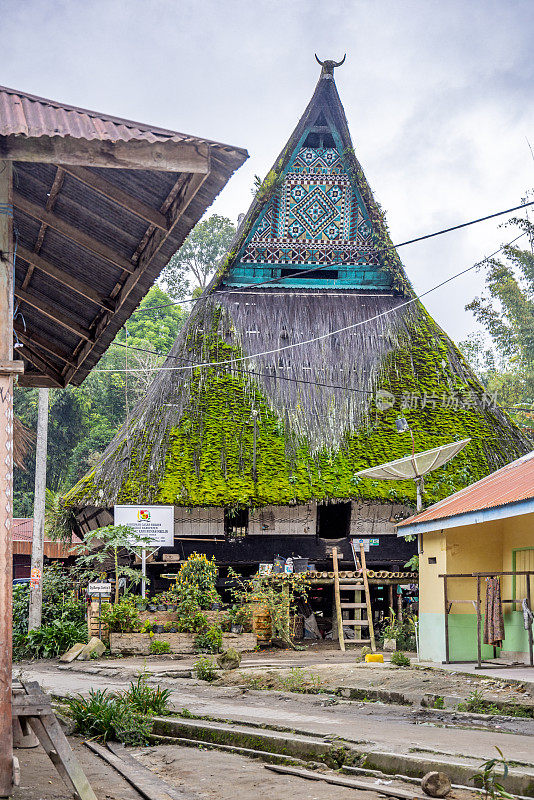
(438, 96)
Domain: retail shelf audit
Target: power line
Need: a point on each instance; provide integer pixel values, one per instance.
(258, 374)
(346, 327)
(300, 273)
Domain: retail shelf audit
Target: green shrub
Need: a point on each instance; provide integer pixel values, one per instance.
(196, 582)
(49, 641)
(399, 659)
(439, 702)
(104, 715)
(145, 699)
(300, 680)
(209, 641)
(205, 669)
(122, 617)
(159, 648)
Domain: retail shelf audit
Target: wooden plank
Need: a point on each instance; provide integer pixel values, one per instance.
(176, 793)
(178, 208)
(42, 364)
(43, 344)
(78, 286)
(54, 742)
(23, 705)
(350, 783)
(147, 783)
(52, 312)
(338, 601)
(119, 196)
(71, 232)
(52, 197)
(353, 605)
(367, 599)
(134, 154)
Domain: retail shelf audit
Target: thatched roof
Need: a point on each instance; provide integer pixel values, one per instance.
(290, 425)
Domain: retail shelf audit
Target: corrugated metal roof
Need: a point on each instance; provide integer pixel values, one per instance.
(511, 484)
(29, 115)
(22, 540)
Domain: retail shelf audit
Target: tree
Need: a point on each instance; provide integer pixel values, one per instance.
(199, 256)
(506, 311)
(83, 420)
(104, 544)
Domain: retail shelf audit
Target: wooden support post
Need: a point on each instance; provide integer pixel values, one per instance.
(479, 620)
(530, 644)
(368, 599)
(390, 597)
(36, 587)
(446, 609)
(6, 474)
(400, 615)
(337, 598)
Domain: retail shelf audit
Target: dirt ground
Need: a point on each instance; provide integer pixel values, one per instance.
(40, 781)
(211, 774)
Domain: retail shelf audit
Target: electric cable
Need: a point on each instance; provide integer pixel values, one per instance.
(300, 273)
(323, 336)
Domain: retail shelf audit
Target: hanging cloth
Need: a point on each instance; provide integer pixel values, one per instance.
(493, 621)
(528, 617)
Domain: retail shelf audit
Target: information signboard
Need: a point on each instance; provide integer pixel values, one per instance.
(155, 523)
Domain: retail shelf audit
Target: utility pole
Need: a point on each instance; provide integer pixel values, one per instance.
(8, 368)
(36, 583)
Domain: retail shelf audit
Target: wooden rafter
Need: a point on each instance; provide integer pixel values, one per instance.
(34, 340)
(42, 364)
(134, 154)
(78, 286)
(182, 194)
(118, 196)
(53, 313)
(52, 197)
(71, 232)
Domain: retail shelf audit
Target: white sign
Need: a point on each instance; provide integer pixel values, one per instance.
(358, 542)
(155, 523)
(99, 588)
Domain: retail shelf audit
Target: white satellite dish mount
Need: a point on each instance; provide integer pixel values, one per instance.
(415, 466)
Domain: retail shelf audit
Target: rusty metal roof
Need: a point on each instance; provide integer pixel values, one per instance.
(100, 204)
(29, 115)
(509, 485)
(22, 536)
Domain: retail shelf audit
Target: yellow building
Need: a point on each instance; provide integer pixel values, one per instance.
(483, 531)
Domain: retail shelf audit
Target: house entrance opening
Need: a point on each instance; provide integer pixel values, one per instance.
(333, 520)
(235, 522)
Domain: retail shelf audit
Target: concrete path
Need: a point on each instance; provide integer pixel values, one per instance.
(381, 727)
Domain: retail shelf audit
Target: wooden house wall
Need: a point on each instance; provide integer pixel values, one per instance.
(283, 520)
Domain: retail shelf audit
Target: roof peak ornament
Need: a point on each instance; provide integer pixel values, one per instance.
(328, 66)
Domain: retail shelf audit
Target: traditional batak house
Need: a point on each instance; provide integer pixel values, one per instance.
(288, 378)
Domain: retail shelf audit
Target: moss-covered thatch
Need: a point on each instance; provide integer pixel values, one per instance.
(297, 424)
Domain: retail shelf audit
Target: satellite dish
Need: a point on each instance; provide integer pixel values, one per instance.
(416, 466)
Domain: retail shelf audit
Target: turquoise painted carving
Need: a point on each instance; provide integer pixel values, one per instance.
(315, 220)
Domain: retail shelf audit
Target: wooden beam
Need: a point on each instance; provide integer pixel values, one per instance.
(52, 197)
(53, 313)
(71, 232)
(134, 154)
(122, 198)
(177, 209)
(43, 344)
(42, 364)
(78, 286)
(31, 380)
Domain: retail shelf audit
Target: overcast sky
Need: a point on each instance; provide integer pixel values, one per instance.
(438, 96)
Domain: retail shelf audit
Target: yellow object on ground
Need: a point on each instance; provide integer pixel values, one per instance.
(374, 658)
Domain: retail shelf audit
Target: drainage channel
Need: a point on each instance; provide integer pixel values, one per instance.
(295, 749)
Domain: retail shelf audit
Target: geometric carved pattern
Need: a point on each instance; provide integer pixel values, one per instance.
(316, 217)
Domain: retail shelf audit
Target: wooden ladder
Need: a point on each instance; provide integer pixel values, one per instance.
(354, 604)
